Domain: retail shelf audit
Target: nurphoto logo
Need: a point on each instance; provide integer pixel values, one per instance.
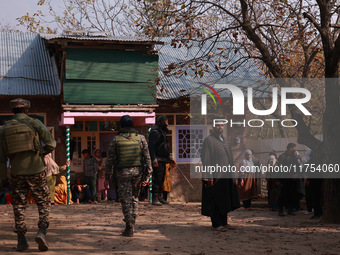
(239, 104)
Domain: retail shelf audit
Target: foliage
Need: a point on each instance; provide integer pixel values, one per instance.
(109, 16)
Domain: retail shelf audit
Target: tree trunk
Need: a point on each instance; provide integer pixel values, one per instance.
(332, 201)
(331, 150)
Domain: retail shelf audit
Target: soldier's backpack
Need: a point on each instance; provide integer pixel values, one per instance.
(128, 148)
(20, 136)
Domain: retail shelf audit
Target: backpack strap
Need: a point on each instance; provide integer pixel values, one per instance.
(24, 122)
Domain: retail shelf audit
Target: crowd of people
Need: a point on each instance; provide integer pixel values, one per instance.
(286, 193)
(126, 168)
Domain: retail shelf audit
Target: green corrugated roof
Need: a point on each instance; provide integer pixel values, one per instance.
(110, 77)
(110, 65)
(102, 92)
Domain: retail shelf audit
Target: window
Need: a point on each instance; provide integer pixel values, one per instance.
(109, 125)
(90, 125)
(76, 151)
(189, 143)
(78, 126)
(91, 144)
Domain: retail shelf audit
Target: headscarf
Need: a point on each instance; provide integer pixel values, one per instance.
(51, 166)
(248, 162)
(60, 196)
(248, 152)
(272, 160)
(94, 155)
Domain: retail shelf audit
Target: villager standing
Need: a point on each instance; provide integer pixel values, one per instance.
(289, 189)
(101, 189)
(219, 192)
(159, 148)
(273, 184)
(52, 169)
(90, 168)
(246, 180)
(127, 154)
(20, 142)
(258, 179)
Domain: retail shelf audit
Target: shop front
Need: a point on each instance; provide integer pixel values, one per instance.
(95, 130)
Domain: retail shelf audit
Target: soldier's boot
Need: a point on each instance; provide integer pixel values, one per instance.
(41, 240)
(161, 199)
(22, 243)
(155, 200)
(128, 229)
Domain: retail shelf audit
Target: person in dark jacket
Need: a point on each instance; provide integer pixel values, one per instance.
(27, 169)
(219, 192)
(160, 155)
(289, 187)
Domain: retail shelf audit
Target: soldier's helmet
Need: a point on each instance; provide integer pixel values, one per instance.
(20, 103)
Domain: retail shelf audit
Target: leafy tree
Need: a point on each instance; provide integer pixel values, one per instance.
(7, 28)
(113, 17)
(288, 38)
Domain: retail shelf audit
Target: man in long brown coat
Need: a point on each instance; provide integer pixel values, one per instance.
(219, 192)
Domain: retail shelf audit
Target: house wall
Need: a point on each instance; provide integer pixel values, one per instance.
(181, 189)
(49, 106)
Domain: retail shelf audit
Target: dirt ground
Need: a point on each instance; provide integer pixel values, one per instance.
(174, 229)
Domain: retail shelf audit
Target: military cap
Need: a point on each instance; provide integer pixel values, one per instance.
(20, 103)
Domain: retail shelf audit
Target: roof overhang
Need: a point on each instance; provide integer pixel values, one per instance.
(139, 118)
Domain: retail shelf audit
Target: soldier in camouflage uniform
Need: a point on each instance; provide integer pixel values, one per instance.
(128, 179)
(28, 174)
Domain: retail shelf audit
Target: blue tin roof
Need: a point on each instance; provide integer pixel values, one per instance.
(26, 67)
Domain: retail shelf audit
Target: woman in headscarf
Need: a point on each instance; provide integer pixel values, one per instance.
(102, 186)
(60, 196)
(273, 185)
(52, 169)
(247, 180)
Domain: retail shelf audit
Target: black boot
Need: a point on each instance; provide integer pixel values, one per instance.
(22, 243)
(155, 200)
(41, 240)
(160, 198)
(128, 229)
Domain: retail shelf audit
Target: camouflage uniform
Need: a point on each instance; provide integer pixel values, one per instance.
(37, 184)
(27, 171)
(128, 179)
